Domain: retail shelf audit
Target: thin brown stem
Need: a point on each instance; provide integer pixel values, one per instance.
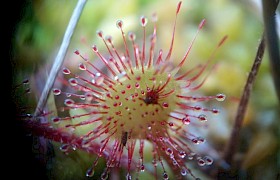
(60, 56)
(234, 138)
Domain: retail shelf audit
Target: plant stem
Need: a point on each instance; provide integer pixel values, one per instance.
(271, 38)
(60, 56)
(234, 139)
(269, 8)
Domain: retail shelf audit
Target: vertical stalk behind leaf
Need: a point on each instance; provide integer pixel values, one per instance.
(272, 39)
(234, 139)
(60, 56)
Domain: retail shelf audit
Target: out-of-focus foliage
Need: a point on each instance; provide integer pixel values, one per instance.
(41, 30)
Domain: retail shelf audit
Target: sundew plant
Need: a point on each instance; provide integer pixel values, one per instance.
(142, 100)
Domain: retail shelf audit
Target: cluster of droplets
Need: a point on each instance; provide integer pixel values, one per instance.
(140, 99)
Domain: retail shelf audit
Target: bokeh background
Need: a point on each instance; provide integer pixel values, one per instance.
(42, 24)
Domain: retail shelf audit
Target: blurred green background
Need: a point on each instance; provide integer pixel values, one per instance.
(41, 29)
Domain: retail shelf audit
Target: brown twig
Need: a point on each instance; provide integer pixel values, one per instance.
(271, 38)
(234, 138)
(60, 56)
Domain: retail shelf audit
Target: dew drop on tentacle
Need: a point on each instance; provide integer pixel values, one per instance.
(197, 108)
(55, 120)
(184, 171)
(56, 91)
(88, 96)
(26, 81)
(191, 156)
(215, 111)
(109, 39)
(119, 24)
(128, 176)
(64, 147)
(169, 151)
(182, 154)
(202, 117)
(104, 175)
(82, 67)
(94, 48)
(77, 52)
(208, 160)
(137, 85)
(131, 36)
(90, 172)
(69, 102)
(73, 82)
(220, 97)
(66, 71)
(144, 21)
(200, 161)
(198, 140)
(82, 97)
(165, 105)
(174, 162)
(99, 33)
(171, 124)
(186, 120)
(165, 176)
(142, 168)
